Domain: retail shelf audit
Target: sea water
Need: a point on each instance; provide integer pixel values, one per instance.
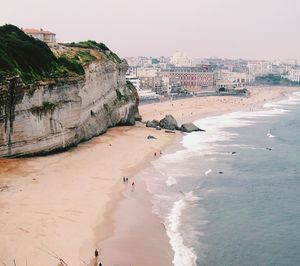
(231, 195)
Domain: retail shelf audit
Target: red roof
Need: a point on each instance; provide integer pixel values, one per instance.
(36, 31)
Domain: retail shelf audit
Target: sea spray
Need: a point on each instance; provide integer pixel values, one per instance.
(171, 181)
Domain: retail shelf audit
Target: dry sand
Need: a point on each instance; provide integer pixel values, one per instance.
(60, 206)
(52, 206)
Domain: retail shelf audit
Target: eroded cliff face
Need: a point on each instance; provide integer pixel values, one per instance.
(51, 116)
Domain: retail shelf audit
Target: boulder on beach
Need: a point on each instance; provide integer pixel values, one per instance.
(190, 127)
(153, 123)
(168, 122)
(151, 137)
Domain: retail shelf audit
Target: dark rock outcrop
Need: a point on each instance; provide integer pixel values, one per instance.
(190, 127)
(153, 123)
(168, 122)
(151, 137)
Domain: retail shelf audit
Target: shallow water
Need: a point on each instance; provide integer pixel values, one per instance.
(230, 196)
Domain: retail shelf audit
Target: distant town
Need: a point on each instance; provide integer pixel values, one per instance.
(181, 75)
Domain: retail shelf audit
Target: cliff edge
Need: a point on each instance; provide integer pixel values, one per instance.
(51, 100)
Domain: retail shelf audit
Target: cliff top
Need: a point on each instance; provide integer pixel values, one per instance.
(94, 48)
(32, 59)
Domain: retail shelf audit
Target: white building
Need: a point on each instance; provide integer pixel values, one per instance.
(232, 80)
(43, 35)
(180, 59)
(144, 95)
(135, 82)
(294, 75)
(258, 68)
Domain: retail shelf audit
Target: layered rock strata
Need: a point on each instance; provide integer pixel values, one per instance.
(54, 115)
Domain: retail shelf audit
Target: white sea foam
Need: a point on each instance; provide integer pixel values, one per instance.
(190, 197)
(270, 135)
(271, 105)
(171, 181)
(217, 129)
(208, 172)
(292, 99)
(184, 256)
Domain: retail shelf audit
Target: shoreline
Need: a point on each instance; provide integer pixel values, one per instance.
(120, 211)
(70, 198)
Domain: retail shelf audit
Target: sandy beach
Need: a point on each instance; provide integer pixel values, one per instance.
(65, 205)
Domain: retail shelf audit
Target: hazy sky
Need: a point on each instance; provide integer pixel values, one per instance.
(254, 29)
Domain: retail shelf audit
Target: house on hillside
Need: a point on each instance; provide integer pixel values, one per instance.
(43, 35)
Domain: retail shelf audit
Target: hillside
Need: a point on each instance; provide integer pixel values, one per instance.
(30, 58)
(53, 99)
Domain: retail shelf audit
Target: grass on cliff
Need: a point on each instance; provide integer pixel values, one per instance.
(100, 47)
(85, 57)
(31, 59)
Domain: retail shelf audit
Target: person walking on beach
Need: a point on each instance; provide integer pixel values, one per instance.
(132, 186)
(96, 253)
(124, 179)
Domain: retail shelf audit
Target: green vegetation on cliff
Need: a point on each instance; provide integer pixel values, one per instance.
(84, 57)
(98, 46)
(31, 59)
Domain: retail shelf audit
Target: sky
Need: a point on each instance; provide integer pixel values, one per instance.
(250, 29)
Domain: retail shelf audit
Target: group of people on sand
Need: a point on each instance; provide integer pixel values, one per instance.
(96, 256)
(125, 181)
(156, 153)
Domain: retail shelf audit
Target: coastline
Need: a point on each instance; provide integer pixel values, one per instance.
(52, 206)
(71, 199)
(121, 235)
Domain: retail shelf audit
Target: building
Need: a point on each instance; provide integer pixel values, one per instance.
(232, 80)
(43, 35)
(258, 68)
(144, 94)
(135, 81)
(192, 78)
(147, 72)
(294, 75)
(180, 59)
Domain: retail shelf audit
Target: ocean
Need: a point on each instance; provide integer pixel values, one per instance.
(231, 195)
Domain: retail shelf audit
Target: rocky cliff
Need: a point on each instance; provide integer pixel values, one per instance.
(55, 114)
